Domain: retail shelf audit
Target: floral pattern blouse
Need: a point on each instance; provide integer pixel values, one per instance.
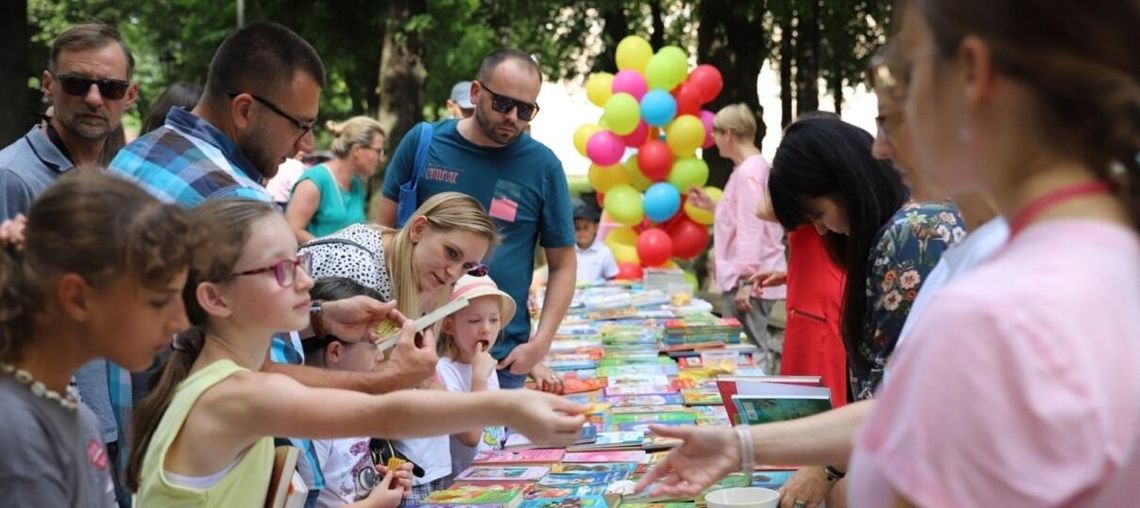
(905, 251)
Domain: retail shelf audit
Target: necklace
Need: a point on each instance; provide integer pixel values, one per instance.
(1039, 205)
(69, 401)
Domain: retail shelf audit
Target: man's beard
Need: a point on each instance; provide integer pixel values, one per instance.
(489, 131)
(96, 132)
(255, 150)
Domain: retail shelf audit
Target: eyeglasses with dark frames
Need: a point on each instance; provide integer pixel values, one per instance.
(476, 269)
(304, 127)
(285, 271)
(111, 89)
(504, 104)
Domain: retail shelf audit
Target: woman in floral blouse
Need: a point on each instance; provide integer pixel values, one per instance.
(824, 174)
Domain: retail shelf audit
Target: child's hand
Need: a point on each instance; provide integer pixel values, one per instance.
(387, 494)
(482, 364)
(402, 476)
(547, 420)
(546, 379)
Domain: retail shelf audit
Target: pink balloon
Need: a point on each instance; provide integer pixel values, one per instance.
(707, 119)
(638, 136)
(605, 148)
(630, 82)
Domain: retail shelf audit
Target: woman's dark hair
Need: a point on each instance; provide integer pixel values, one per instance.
(101, 227)
(183, 95)
(1079, 59)
(229, 222)
(826, 157)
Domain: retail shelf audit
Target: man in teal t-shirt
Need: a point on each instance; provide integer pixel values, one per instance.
(520, 182)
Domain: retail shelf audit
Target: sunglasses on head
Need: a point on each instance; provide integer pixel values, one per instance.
(503, 104)
(112, 89)
(476, 269)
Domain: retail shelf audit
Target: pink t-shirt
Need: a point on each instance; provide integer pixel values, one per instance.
(1021, 384)
(742, 243)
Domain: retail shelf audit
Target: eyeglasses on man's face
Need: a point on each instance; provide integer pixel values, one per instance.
(504, 104)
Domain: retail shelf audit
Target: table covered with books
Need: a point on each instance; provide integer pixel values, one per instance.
(637, 354)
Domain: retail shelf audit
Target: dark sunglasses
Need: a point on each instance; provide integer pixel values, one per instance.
(112, 89)
(476, 269)
(503, 104)
(285, 271)
(304, 127)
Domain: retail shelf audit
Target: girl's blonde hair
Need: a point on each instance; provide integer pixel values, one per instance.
(358, 130)
(737, 119)
(446, 211)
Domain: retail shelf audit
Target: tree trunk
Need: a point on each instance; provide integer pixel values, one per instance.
(16, 113)
(807, 60)
(615, 28)
(732, 38)
(787, 62)
(837, 91)
(402, 72)
(657, 39)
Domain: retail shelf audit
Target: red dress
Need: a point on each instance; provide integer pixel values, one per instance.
(813, 344)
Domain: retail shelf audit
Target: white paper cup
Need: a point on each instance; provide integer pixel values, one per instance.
(743, 497)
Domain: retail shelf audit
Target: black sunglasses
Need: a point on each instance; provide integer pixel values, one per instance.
(112, 89)
(503, 104)
(304, 127)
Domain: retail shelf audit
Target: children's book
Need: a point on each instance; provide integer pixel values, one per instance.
(586, 467)
(599, 478)
(758, 409)
(535, 456)
(502, 474)
(631, 456)
(664, 408)
(286, 488)
(610, 441)
(571, 364)
(516, 441)
(700, 397)
(645, 400)
(566, 502)
(728, 386)
(712, 415)
(468, 495)
(771, 479)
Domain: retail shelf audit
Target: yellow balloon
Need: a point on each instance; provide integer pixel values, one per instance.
(602, 178)
(623, 243)
(582, 136)
(700, 215)
(623, 204)
(633, 52)
(685, 134)
(637, 179)
(598, 88)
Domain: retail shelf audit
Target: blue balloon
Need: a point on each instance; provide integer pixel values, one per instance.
(658, 108)
(661, 202)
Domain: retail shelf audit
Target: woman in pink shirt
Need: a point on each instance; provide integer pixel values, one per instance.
(742, 243)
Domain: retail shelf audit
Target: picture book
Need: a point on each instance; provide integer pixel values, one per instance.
(598, 478)
(643, 369)
(699, 397)
(502, 474)
(566, 502)
(643, 427)
(655, 442)
(467, 495)
(516, 441)
(683, 415)
(534, 456)
(571, 364)
(771, 479)
(755, 410)
(728, 386)
(540, 492)
(609, 441)
(712, 415)
(645, 400)
(576, 385)
(618, 410)
(627, 467)
(632, 456)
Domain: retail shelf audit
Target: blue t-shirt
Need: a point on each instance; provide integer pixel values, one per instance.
(521, 185)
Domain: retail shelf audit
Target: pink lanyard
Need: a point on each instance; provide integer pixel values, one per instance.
(1039, 205)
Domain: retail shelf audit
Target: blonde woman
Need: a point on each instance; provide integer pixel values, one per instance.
(331, 196)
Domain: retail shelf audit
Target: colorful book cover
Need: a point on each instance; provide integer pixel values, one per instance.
(501, 474)
(645, 400)
(571, 364)
(600, 478)
(611, 440)
(643, 427)
(536, 456)
(631, 456)
(566, 502)
(771, 479)
(626, 467)
(700, 397)
(618, 410)
(755, 410)
(712, 415)
(540, 492)
(645, 369)
(475, 495)
(683, 415)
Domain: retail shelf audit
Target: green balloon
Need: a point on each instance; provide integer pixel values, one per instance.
(623, 204)
(622, 114)
(667, 69)
(691, 279)
(687, 173)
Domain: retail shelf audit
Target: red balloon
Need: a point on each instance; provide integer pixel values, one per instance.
(645, 225)
(708, 80)
(689, 238)
(688, 97)
(638, 136)
(654, 247)
(655, 160)
(629, 271)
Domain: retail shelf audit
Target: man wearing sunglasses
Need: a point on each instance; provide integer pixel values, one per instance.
(520, 182)
(259, 107)
(87, 82)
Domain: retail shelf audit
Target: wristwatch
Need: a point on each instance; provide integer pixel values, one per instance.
(315, 312)
(833, 475)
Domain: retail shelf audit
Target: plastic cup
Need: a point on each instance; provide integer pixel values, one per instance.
(743, 497)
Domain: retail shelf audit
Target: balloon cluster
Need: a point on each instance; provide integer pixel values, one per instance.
(652, 105)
